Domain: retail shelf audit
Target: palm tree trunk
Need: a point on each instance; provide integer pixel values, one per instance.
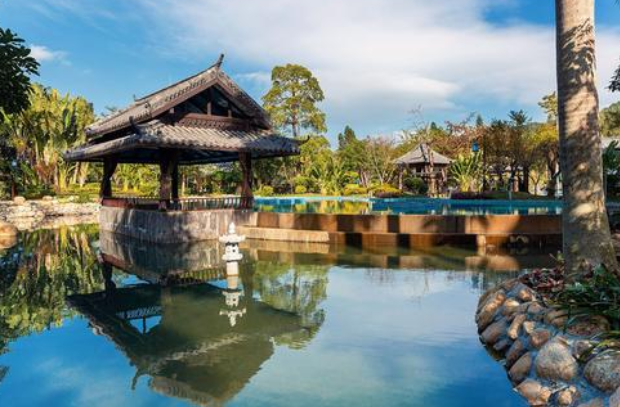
(587, 239)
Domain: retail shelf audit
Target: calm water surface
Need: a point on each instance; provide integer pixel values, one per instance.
(90, 320)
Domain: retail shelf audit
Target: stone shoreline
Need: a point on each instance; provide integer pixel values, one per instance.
(549, 362)
(28, 215)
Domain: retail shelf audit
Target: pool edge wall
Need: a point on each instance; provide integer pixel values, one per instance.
(357, 230)
(174, 226)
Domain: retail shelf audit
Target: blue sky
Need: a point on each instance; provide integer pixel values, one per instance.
(377, 60)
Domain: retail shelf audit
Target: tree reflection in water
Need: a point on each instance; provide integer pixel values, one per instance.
(193, 333)
(38, 273)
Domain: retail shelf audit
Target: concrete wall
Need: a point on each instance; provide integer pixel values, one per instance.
(414, 224)
(172, 227)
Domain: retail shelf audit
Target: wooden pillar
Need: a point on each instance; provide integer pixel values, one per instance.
(245, 160)
(109, 166)
(175, 181)
(168, 160)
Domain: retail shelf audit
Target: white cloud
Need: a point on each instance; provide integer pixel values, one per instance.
(43, 54)
(378, 59)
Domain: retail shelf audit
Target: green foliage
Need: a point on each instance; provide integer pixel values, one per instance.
(16, 67)
(549, 104)
(610, 121)
(265, 190)
(467, 172)
(300, 190)
(416, 185)
(354, 189)
(39, 135)
(386, 191)
(292, 100)
(596, 294)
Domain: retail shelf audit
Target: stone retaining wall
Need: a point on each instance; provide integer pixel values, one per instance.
(550, 362)
(26, 215)
(172, 227)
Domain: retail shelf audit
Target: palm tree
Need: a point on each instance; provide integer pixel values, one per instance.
(587, 238)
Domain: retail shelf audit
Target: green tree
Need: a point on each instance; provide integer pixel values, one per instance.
(50, 125)
(610, 121)
(16, 67)
(549, 104)
(292, 100)
(586, 234)
(351, 151)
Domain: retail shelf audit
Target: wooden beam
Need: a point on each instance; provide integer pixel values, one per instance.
(245, 161)
(109, 166)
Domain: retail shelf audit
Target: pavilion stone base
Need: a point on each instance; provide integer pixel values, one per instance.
(172, 227)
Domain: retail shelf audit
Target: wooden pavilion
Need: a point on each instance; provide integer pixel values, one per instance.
(206, 118)
(425, 163)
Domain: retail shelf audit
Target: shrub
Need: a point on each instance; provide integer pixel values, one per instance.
(265, 190)
(386, 191)
(416, 185)
(300, 190)
(354, 189)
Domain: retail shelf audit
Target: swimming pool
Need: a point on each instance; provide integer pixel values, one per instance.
(407, 206)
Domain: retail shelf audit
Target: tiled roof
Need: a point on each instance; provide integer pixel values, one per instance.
(421, 154)
(150, 106)
(156, 135)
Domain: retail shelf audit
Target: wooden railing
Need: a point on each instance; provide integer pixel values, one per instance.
(181, 204)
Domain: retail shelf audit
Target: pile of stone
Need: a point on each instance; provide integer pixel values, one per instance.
(26, 215)
(551, 362)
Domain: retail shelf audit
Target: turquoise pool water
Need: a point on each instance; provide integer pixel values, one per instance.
(94, 320)
(410, 206)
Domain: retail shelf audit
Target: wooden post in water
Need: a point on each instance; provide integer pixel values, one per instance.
(109, 166)
(245, 160)
(167, 163)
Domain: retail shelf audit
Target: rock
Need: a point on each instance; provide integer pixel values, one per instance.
(502, 345)
(510, 307)
(539, 337)
(534, 392)
(535, 308)
(515, 327)
(528, 327)
(515, 352)
(555, 314)
(581, 347)
(47, 198)
(521, 369)
(614, 400)
(494, 332)
(594, 325)
(19, 200)
(555, 361)
(7, 229)
(524, 293)
(510, 284)
(603, 371)
(487, 312)
(567, 396)
(593, 403)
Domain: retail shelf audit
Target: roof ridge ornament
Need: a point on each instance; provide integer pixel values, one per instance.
(218, 63)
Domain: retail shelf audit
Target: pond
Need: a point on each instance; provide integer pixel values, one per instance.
(407, 206)
(97, 320)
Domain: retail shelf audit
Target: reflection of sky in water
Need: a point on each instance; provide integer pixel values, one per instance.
(419, 206)
(389, 338)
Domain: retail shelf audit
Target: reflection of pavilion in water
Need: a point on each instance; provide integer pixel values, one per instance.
(196, 341)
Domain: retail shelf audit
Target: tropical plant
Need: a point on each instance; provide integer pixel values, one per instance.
(16, 67)
(466, 171)
(586, 234)
(52, 124)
